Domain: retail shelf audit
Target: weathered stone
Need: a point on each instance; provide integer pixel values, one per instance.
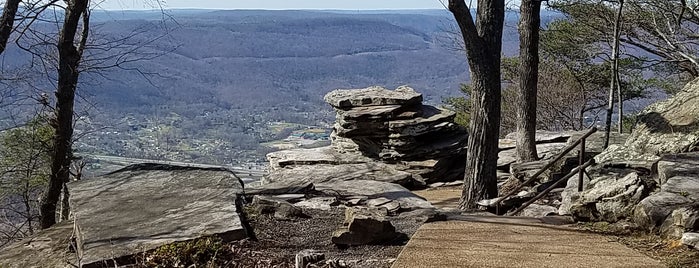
(282, 209)
(686, 165)
(315, 156)
(50, 248)
(691, 240)
(372, 96)
(609, 199)
(376, 202)
(681, 220)
(322, 203)
(666, 127)
(682, 185)
(652, 211)
(364, 226)
(570, 194)
(375, 189)
(145, 206)
(538, 211)
(286, 211)
(304, 174)
(307, 257)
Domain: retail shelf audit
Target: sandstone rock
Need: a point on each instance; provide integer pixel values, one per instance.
(380, 134)
(691, 240)
(686, 164)
(666, 127)
(375, 189)
(49, 248)
(282, 209)
(322, 203)
(538, 211)
(609, 199)
(681, 220)
(319, 173)
(373, 96)
(570, 194)
(364, 226)
(652, 211)
(307, 257)
(142, 207)
(286, 211)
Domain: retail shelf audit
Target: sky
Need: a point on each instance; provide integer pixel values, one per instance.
(275, 4)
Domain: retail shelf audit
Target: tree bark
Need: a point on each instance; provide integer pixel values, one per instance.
(615, 75)
(69, 60)
(483, 42)
(529, 23)
(7, 22)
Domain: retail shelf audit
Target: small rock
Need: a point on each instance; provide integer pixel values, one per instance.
(364, 226)
(437, 184)
(393, 207)
(691, 240)
(322, 203)
(454, 183)
(286, 211)
(538, 211)
(282, 210)
(307, 257)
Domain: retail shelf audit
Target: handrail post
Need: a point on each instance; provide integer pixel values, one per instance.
(581, 158)
(549, 165)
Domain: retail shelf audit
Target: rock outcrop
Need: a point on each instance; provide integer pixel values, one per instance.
(666, 127)
(145, 206)
(382, 135)
(661, 152)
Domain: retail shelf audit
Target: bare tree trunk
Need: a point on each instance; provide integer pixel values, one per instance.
(615, 75)
(65, 203)
(7, 22)
(483, 42)
(69, 60)
(529, 23)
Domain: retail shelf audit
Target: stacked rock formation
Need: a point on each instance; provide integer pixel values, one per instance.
(394, 125)
(382, 135)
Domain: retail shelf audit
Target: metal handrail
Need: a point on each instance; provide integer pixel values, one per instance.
(553, 186)
(550, 164)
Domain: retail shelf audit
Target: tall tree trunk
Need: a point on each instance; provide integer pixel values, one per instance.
(529, 23)
(69, 60)
(615, 74)
(7, 22)
(483, 41)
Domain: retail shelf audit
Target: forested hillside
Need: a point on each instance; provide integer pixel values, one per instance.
(206, 85)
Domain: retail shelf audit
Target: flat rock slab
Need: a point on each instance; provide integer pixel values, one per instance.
(142, 207)
(512, 242)
(46, 249)
(372, 96)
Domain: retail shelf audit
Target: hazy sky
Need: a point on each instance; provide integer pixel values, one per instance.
(276, 4)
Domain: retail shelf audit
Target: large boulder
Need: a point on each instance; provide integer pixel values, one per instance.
(143, 207)
(672, 208)
(652, 211)
(609, 199)
(666, 127)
